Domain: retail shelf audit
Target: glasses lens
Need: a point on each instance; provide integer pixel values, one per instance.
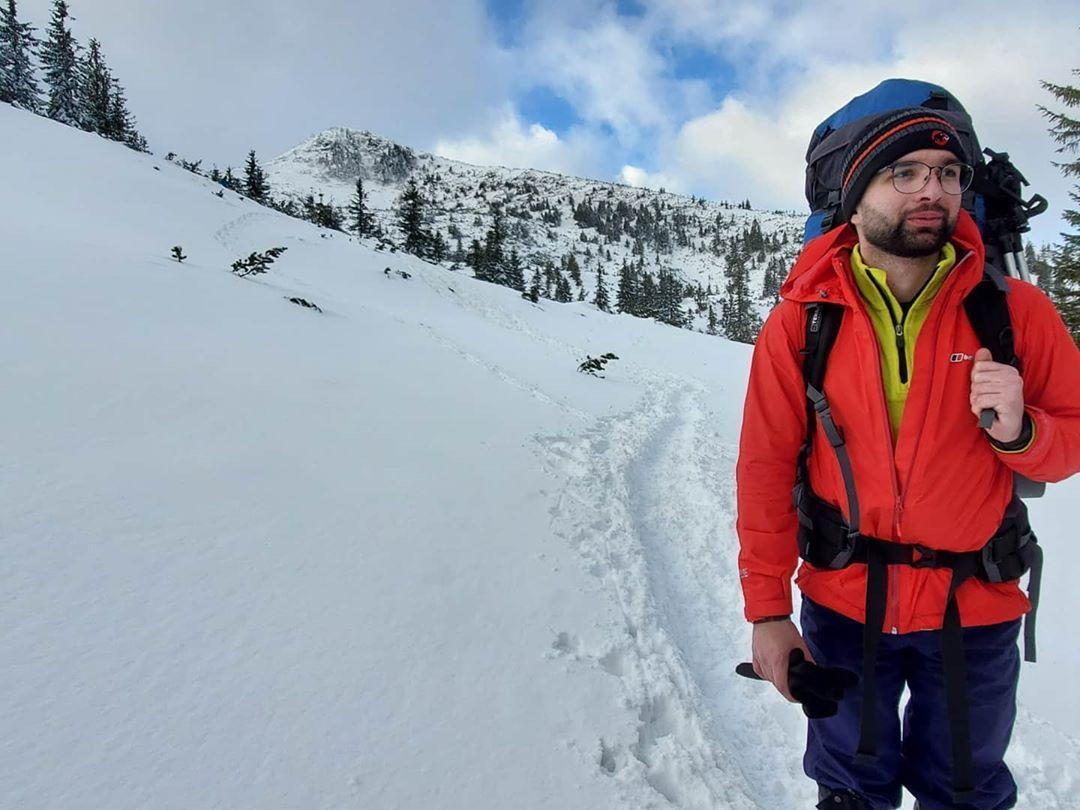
(956, 177)
(910, 177)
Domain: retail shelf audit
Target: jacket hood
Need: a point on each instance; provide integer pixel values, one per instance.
(817, 275)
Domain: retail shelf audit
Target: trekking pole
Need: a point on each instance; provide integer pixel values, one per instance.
(1007, 212)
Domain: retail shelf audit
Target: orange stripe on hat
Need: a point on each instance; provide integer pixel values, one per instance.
(889, 134)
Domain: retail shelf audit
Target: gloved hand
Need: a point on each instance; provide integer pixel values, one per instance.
(818, 689)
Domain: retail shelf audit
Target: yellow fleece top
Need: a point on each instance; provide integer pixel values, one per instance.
(897, 331)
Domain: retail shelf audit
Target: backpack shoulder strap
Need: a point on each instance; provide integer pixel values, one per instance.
(987, 308)
(822, 325)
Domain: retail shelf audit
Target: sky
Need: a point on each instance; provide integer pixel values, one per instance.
(716, 99)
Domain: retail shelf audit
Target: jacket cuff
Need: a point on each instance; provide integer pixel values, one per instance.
(767, 609)
(1020, 443)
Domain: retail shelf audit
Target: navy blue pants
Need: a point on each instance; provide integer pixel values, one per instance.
(917, 754)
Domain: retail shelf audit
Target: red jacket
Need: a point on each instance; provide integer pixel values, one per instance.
(943, 486)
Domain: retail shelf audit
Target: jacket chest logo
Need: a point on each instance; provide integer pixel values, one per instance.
(960, 357)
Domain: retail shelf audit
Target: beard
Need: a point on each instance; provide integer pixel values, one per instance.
(899, 238)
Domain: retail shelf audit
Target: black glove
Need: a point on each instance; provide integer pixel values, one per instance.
(818, 689)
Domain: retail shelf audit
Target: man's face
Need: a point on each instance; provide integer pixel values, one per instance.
(908, 225)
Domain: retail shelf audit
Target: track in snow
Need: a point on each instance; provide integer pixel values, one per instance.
(648, 500)
(648, 503)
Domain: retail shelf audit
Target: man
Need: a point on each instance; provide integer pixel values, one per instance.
(905, 383)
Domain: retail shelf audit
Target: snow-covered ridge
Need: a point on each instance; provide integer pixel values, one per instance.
(684, 235)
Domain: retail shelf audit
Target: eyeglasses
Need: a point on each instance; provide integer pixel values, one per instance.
(911, 176)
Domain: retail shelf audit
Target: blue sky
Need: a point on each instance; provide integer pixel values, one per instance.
(709, 97)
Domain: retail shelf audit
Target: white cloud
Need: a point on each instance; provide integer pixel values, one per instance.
(639, 178)
(511, 142)
(741, 152)
(607, 71)
(791, 75)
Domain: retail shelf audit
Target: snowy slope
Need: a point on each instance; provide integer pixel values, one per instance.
(399, 554)
(460, 197)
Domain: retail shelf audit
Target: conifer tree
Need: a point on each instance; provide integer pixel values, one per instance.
(573, 268)
(95, 93)
(515, 277)
(58, 58)
(669, 300)
(1065, 130)
(712, 320)
(563, 293)
(647, 303)
(533, 293)
(492, 268)
(741, 322)
(770, 288)
(230, 180)
(438, 247)
(18, 84)
(121, 122)
(411, 208)
(255, 185)
(626, 293)
(601, 297)
(475, 256)
(359, 216)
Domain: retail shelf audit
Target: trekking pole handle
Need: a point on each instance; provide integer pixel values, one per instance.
(746, 669)
(986, 418)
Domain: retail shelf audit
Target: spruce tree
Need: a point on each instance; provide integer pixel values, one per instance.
(122, 122)
(359, 216)
(475, 257)
(230, 180)
(58, 58)
(95, 93)
(515, 277)
(533, 293)
(741, 322)
(712, 320)
(255, 185)
(1065, 130)
(492, 265)
(410, 220)
(18, 84)
(647, 303)
(669, 300)
(626, 294)
(573, 268)
(601, 297)
(563, 294)
(438, 247)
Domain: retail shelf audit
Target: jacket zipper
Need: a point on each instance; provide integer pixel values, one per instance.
(898, 328)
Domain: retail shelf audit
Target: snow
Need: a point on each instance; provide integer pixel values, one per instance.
(400, 554)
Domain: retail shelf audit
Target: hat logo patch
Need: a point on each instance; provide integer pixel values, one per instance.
(939, 137)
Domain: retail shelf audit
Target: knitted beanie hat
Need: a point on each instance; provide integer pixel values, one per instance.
(887, 137)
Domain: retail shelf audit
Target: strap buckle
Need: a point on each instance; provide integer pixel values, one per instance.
(846, 552)
(928, 557)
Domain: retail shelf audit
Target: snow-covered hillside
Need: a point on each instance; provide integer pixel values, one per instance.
(684, 235)
(397, 554)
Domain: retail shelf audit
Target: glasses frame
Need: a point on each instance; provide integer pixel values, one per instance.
(930, 173)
